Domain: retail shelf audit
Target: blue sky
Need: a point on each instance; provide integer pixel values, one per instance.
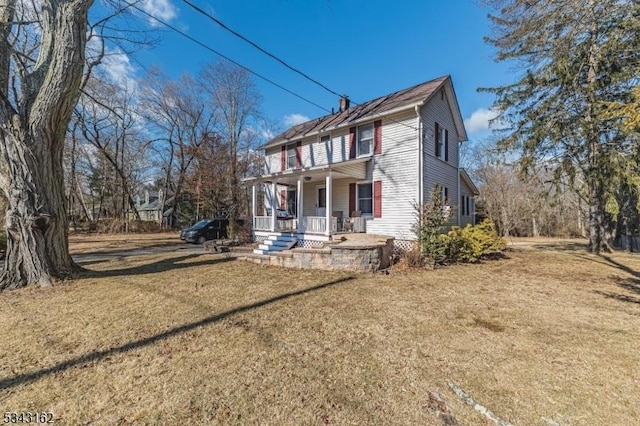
(364, 49)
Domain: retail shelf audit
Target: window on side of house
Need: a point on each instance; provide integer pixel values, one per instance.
(291, 156)
(444, 194)
(442, 145)
(365, 139)
(464, 205)
(365, 198)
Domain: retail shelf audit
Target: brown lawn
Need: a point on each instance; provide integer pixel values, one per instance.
(94, 243)
(550, 335)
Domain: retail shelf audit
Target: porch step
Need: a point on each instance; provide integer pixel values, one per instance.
(276, 242)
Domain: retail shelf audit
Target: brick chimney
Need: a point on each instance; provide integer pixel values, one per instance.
(344, 103)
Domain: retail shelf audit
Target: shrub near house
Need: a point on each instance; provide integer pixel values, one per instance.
(471, 243)
(467, 244)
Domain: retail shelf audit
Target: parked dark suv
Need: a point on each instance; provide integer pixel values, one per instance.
(206, 229)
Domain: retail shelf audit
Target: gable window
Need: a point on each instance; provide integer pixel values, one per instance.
(365, 139)
(365, 198)
(442, 143)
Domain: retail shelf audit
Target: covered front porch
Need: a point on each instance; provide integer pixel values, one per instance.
(312, 202)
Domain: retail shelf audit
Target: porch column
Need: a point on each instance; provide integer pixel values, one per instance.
(329, 207)
(300, 207)
(254, 200)
(274, 201)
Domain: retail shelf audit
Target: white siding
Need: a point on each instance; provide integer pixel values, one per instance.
(339, 201)
(272, 160)
(397, 168)
(314, 152)
(437, 171)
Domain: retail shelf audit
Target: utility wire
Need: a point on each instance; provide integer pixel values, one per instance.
(248, 69)
(209, 48)
(271, 55)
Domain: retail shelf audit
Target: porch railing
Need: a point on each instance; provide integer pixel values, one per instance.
(262, 223)
(317, 224)
(287, 224)
(312, 224)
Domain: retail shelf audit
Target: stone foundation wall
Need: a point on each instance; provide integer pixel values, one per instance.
(358, 258)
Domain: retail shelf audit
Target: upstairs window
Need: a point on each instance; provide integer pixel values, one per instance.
(365, 140)
(291, 156)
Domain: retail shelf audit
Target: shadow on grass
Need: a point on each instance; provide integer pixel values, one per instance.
(161, 265)
(618, 296)
(630, 284)
(562, 246)
(11, 382)
(620, 266)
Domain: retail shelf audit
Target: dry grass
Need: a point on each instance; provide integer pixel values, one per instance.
(103, 243)
(547, 334)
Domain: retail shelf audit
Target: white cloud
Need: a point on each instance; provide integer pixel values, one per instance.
(161, 9)
(479, 120)
(294, 119)
(118, 67)
(267, 134)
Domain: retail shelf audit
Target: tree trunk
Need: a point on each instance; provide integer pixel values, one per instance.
(597, 241)
(36, 220)
(31, 146)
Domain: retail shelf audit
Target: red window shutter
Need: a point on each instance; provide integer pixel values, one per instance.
(446, 145)
(437, 152)
(298, 154)
(352, 142)
(377, 137)
(352, 198)
(283, 158)
(283, 199)
(377, 198)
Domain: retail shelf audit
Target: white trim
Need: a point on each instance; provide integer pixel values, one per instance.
(320, 168)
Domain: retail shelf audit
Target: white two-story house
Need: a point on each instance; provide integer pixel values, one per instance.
(365, 168)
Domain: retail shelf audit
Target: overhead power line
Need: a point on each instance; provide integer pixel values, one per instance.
(271, 55)
(211, 49)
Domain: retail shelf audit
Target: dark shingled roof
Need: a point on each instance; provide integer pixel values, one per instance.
(376, 107)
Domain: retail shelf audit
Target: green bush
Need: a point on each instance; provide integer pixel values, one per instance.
(471, 243)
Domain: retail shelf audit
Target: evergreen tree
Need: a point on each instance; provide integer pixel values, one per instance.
(576, 56)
